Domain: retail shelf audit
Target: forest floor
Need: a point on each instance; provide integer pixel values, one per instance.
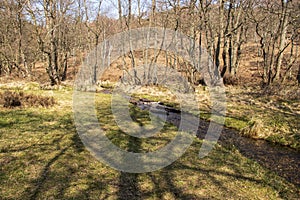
(42, 156)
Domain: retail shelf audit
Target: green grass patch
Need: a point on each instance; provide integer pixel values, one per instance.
(42, 157)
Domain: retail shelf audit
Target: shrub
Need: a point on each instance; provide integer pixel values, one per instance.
(11, 99)
(231, 80)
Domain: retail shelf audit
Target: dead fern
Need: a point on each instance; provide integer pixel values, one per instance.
(13, 99)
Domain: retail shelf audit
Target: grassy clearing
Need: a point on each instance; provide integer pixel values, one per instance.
(42, 157)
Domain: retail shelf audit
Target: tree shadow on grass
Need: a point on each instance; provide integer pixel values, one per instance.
(172, 180)
(62, 171)
(209, 179)
(67, 171)
(128, 182)
(44, 174)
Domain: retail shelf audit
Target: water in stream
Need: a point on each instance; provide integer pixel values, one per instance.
(282, 160)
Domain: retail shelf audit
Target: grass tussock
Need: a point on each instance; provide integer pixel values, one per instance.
(13, 99)
(255, 129)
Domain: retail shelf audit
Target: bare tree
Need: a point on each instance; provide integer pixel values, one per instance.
(234, 35)
(17, 48)
(273, 21)
(52, 20)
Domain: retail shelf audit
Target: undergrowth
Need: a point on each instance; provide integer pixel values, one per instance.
(13, 99)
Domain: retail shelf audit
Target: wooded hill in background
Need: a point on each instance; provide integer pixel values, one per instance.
(250, 41)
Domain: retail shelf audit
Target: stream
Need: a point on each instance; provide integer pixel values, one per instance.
(282, 160)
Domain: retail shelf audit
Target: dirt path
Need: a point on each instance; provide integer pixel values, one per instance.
(282, 160)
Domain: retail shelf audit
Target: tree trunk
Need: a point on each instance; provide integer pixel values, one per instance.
(298, 75)
(50, 13)
(220, 34)
(120, 12)
(283, 31)
(236, 41)
(227, 43)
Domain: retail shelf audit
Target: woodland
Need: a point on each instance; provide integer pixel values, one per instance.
(252, 49)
